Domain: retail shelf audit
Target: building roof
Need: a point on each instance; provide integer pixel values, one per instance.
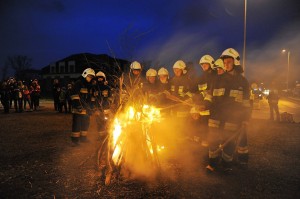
(85, 60)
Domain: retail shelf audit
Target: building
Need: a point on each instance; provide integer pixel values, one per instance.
(70, 68)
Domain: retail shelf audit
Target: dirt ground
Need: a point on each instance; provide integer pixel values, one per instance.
(38, 161)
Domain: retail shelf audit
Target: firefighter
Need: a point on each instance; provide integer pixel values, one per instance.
(203, 85)
(240, 96)
(134, 78)
(81, 107)
(103, 103)
(217, 95)
(151, 87)
(133, 85)
(234, 112)
(180, 94)
(163, 76)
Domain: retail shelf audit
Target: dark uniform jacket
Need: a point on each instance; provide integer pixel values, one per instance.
(80, 96)
(230, 101)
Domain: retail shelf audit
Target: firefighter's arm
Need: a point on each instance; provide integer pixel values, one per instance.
(246, 101)
(75, 97)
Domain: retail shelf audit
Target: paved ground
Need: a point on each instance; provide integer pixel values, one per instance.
(37, 161)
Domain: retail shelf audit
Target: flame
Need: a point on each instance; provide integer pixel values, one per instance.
(146, 115)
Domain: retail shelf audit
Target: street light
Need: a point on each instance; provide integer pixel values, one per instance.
(288, 69)
(244, 48)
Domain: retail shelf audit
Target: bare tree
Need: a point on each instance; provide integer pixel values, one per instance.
(19, 63)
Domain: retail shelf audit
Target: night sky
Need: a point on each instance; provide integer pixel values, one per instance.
(161, 31)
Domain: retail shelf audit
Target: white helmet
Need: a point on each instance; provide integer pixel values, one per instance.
(230, 52)
(181, 65)
(135, 66)
(207, 59)
(163, 71)
(151, 73)
(100, 74)
(219, 64)
(87, 72)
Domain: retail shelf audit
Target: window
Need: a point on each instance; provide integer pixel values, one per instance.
(71, 65)
(62, 69)
(52, 69)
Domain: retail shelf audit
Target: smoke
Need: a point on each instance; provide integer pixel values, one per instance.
(267, 63)
(189, 47)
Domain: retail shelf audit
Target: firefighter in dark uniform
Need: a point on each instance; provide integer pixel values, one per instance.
(180, 93)
(163, 77)
(202, 87)
(163, 85)
(218, 97)
(81, 106)
(103, 103)
(150, 87)
(134, 78)
(240, 95)
(234, 112)
(134, 82)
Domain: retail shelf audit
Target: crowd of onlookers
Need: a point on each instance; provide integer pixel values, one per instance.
(20, 95)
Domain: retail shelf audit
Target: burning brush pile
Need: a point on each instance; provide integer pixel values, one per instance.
(130, 150)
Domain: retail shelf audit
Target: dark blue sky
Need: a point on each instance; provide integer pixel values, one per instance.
(162, 31)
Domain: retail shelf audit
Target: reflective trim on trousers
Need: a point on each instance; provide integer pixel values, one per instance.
(75, 134)
(243, 150)
(227, 157)
(83, 133)
(75, 97)
(84, 90)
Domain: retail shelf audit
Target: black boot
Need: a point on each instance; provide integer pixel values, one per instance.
(227, 166)
(75, 141)
(243, 160)
(212, 164)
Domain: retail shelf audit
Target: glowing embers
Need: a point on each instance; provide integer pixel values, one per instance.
(132, 136)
